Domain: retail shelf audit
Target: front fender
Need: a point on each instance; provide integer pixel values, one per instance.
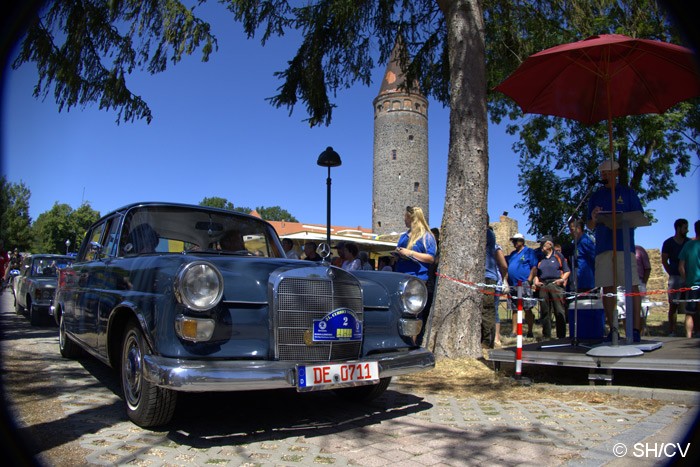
(118, 318)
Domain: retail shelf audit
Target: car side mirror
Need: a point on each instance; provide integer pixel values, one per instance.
(96, 249)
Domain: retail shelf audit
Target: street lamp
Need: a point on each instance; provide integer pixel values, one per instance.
(328, 158)
(67, 246)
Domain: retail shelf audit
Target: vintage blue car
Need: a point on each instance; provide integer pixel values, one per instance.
(35, 286)
(190, 298)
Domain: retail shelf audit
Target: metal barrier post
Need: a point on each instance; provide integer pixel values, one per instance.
(519, 342)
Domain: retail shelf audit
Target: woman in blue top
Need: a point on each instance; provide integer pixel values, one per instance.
(416, 252)
(417, 246)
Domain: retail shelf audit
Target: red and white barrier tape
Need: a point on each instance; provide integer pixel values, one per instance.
(484, 288)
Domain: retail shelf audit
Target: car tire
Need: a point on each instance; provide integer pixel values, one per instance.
(67, 347)
(35, 317)
(364, 393)
(147, 405)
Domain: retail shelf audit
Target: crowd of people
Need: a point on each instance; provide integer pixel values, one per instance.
(349, 256)
(8, 262)
(550, 278)
(543, 276)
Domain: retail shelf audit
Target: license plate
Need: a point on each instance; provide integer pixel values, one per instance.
(316, 377)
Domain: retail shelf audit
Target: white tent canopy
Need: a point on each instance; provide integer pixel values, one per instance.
(375, 247)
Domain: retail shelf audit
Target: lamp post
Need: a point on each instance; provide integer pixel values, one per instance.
(328, 158)
(67, 246)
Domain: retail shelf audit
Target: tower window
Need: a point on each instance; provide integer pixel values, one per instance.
(410, 137)
(393, 154)
(416, 187)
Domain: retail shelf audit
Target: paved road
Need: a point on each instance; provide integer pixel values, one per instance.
(73, 412)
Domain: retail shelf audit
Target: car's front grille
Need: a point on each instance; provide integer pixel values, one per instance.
(300, 301)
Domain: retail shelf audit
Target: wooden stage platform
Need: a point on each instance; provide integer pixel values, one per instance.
(675, 354)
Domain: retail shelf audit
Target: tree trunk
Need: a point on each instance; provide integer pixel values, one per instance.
(456, 319)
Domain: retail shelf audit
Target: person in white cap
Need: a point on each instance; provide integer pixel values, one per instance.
(626, 200)
(522, 267)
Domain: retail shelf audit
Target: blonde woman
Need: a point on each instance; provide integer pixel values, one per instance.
(417, 247)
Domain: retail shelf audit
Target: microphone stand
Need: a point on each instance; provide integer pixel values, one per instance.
(585, 197)
(574, 339)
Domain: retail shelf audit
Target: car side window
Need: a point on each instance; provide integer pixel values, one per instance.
(89, 253)
(37, 268)
(110, 242)
(26, 267)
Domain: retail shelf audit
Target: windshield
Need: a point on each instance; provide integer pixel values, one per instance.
(168, 229)
(48, 267)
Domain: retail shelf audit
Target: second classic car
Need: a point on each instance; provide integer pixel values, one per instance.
(35, 285)
(188, 298)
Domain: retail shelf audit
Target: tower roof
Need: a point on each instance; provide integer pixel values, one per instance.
(394, 77)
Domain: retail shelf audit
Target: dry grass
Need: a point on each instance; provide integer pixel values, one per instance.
(462, 378)
(476, 378)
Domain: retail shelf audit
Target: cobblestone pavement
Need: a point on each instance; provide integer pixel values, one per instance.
(399, 428)
(286, 428)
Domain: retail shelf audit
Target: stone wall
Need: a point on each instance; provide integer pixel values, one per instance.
(658, 280)
(504, 229)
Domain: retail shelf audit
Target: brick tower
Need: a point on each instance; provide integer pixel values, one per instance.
(400, 150)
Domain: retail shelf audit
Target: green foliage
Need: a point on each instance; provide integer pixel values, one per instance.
(217, 202)
(52, 228)
(558, 157)
(340, 40)
(15, 222)
(85, 50)
(81, 219)
(275, 213)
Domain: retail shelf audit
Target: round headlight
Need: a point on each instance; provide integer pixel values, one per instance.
(414, 295)
(199, 285)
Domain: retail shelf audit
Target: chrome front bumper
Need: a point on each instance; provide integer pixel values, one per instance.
(246, 375)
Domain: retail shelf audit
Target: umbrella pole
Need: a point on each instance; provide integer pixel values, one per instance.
(615, 350)
(615, 320)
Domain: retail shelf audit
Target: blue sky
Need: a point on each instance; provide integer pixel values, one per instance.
(213, 134)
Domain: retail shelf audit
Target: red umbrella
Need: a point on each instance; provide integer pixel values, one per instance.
(604, 77)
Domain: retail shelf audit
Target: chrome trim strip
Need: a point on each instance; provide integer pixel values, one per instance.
(242, 302)
(246, 375)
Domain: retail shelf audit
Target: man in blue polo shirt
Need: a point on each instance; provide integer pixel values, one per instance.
(552, 275)
(522, 267)
(585, 257)
(626, 200)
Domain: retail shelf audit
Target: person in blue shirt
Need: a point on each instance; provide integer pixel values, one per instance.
(495, 268)
(626, 200)
(585, 257)
(522, 267)
(416, 247)
(416, 251)
(552, 274)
